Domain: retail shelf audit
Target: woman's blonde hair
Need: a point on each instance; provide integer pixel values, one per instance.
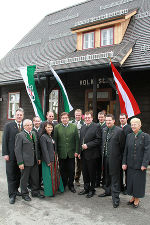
(136, 120)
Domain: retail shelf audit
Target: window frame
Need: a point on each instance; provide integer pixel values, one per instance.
(93, 31)
(58, 102)
(8, 107)
(106, 28)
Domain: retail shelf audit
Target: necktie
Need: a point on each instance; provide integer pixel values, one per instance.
(19, 127)
(30, 135)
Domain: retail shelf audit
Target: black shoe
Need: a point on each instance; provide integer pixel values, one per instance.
(37, 195)
(18, 193)
(135, 206)
(124, 192)
(72, 189)
(90, 194)
(12, 200)
(26, 198)
(104, 195)
(97, 185)
(83, 192)
(115, 204)
(41, 188)
(130, 203)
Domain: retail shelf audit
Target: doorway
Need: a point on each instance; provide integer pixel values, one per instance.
(104, 100)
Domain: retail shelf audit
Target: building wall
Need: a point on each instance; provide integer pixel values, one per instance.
(24, 102)
(138, 82)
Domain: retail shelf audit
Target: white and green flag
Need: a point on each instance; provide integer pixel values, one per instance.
(68, 107)
(28, 77)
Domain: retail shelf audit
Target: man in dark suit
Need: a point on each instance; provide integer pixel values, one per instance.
(36, 129)
(67, 145)
(127, 130)
(112, 147)
(8, 145)
(90, 142)
(79, 123)
(102, 124)
(50, 118)
(28, 157)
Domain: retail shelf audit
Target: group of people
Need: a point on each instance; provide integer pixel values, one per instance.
(55, 154)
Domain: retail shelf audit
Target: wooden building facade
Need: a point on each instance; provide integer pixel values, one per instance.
(78, 42)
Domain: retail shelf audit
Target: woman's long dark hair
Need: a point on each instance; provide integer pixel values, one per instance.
(43, 128)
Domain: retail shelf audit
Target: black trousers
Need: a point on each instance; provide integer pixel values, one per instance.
(89, 173)
(31, 172)
(123, 179)
(13, 177)
(78, 169)
(99, 170)
(67, 171)
(112, 182)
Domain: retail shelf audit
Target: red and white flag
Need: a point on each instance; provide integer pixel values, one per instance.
(128, 105)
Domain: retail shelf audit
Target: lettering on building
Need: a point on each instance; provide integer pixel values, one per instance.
(28, 44)
(89, 82)
(101, 17)
(63, 19)
(113, 4)
(60, 35)
(82, 58)
(142, 15)
(145, 50)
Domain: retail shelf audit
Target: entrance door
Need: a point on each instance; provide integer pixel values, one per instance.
(104, 100)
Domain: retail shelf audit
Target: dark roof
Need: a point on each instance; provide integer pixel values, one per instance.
(53, 40)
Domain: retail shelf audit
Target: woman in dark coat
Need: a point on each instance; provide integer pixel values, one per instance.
(51, 177)
(136, 159)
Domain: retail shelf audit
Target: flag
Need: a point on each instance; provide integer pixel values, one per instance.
(28, 77)
(128, 105)
(68, 107)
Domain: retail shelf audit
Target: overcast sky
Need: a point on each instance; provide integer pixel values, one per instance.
(18, 17)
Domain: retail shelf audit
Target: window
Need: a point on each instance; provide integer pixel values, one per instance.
(88, 40)
(107, 36)
(53, 103)
(13, 104)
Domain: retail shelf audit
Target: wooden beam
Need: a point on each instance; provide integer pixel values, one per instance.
(126, 56)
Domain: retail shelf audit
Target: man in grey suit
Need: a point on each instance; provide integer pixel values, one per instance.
(28, 158)
(8, 145)
(112, 148)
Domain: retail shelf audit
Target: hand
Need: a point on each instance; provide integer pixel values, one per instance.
(79, 156)
(76, 155)
(6, 157)
(124, 167)
(143, 168)
(39, 162)
(21, 167)
(50, 164)
(84, 146)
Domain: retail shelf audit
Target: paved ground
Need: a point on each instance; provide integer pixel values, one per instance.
(71, 209)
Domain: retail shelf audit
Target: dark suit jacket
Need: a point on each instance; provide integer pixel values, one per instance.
(115, 145)
(8, 140)
(48, 148)
(24, 149)
(92, 138)
(137, 151)
(103, 126)
(127, 129)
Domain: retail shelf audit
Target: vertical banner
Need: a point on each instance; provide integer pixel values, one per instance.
(68, 107)
(28, 77)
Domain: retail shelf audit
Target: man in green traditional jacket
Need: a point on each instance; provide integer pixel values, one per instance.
(67, 147)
